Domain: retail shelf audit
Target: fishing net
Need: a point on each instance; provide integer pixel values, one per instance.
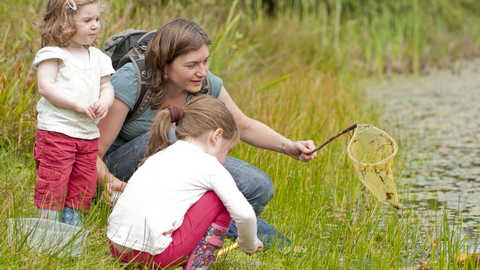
(372, 152)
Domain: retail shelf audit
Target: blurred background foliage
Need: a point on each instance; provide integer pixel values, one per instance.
(361, 37)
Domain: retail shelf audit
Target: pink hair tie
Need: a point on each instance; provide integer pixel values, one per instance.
(73, 6)
(176, 113)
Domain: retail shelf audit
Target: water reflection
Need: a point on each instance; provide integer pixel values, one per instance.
(436, 119)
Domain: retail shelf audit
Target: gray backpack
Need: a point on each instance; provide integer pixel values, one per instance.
(129, 46)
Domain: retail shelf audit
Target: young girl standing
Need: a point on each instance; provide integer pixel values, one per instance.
(73, 79)
(181, 200)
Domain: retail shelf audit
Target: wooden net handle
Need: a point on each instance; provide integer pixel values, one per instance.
(352, 127)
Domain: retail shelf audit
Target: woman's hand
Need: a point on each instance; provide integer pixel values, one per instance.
(299, 150)
(109, 188)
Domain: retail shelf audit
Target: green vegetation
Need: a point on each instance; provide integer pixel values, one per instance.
(298, 69)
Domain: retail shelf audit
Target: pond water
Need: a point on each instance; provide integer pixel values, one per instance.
(436, 120)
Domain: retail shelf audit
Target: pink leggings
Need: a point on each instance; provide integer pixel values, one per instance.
(209, 209)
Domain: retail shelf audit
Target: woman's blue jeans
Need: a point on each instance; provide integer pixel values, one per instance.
(256, 186)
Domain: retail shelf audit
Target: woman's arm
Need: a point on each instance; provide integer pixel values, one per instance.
(110, 127)
(260, 135)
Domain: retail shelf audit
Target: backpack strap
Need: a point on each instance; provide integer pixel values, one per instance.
(144, 96)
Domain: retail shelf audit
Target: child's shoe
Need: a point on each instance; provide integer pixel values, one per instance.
(206, 252)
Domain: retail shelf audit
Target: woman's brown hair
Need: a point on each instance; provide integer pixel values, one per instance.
(173, 39)
(58, 26)
(200, 115)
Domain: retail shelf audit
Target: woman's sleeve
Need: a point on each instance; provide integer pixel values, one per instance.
(216, 84)
(125, 84)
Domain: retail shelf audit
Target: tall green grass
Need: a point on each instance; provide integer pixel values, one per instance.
(286, 71)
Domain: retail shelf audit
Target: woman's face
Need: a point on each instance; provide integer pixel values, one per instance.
(188, 71)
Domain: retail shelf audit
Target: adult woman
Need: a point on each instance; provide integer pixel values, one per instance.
(176, 64)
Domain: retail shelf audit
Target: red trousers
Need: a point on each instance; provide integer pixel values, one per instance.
(209, 209)
(66, 171)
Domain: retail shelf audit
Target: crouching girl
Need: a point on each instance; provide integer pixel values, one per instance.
(181, 200)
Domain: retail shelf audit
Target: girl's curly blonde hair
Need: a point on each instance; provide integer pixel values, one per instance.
(58, 26)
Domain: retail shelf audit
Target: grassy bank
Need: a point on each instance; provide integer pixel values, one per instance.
(299, 71)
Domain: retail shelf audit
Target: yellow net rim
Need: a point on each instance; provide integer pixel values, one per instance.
(384, 161)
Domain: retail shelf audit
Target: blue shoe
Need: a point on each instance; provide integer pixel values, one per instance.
(266, 233)
(232, 231)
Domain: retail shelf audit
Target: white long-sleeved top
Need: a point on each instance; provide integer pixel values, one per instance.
(161, 191)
